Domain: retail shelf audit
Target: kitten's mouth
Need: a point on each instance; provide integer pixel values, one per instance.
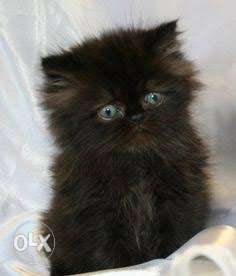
(141, 136)
(141, 129)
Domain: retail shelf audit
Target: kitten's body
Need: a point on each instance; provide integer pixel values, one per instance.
(123, 196)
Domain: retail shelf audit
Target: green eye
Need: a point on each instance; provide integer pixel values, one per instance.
(110, 112)
(153, 98)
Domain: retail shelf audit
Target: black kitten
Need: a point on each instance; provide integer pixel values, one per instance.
(130, 182)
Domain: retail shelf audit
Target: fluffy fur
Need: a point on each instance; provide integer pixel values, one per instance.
(125, 191)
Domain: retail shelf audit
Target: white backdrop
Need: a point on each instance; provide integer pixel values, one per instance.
(32, 28)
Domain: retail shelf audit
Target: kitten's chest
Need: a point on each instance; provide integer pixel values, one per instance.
(138, 189)
(140, 195)
(138, 198)
(138, 212)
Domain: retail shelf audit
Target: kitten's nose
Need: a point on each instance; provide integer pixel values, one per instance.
(137, 117)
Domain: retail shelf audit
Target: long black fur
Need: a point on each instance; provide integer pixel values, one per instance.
(122, 197)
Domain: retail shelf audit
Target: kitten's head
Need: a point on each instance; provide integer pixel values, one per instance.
(128, 90)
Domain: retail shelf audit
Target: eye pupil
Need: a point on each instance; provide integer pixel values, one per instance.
(154, 97)
(108, 112)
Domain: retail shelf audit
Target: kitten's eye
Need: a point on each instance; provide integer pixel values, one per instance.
(110, 112)
(153, 98)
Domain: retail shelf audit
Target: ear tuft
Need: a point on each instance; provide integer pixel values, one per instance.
(163, 37)
(168, 29)
(59, 68)
(58, 62)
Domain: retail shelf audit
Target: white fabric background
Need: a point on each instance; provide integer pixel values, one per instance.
(32, 28)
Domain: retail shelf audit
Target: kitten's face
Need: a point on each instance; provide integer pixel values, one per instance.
(127, 91)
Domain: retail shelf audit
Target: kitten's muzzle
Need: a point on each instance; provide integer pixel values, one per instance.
(137, 118)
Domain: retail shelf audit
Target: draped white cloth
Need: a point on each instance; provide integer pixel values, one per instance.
(32, 28)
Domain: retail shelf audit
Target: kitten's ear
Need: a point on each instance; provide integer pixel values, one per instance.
(164, 37)
(167, 30)
(58, 69)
